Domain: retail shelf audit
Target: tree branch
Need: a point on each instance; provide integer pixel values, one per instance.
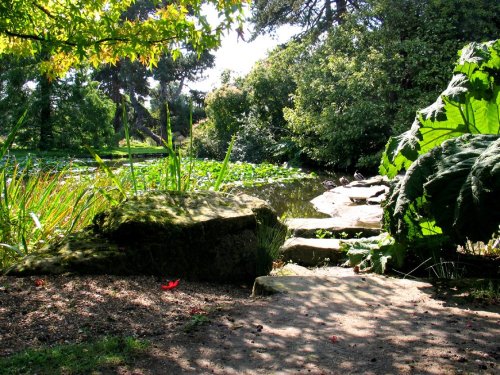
(44, 10)
(73, 44)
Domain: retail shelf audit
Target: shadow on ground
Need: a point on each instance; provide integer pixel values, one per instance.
(350, 324)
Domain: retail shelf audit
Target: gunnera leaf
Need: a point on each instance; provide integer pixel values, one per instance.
(452, 177)
(453, 188)
(469, 105)
(478, 205)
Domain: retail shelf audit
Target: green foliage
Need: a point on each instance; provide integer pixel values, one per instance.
(375, 254)
(470, 104)
(204, 174)
(79, 111)
(39, 207)
(451, 190)
(269, 241)
(489, 293)
(226, 108)
(265, 135)
(82, 114)
(252, 108)
(314, 16)
(361, 80)
(338, 118)
(196, 321)
(67, 33)
(85, 358)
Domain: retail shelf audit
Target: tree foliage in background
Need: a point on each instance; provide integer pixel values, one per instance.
(313, 16)
(265, 135)
(339, 116)
(354, 92)
(226, 108)
(252, 107)
(80, 113)
(129, 36)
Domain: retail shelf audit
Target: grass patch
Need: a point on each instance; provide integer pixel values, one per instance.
(464, 291)
(70, 359)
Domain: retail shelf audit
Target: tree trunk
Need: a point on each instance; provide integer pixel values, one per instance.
(341, 6)
(46, 141)
(144, 118)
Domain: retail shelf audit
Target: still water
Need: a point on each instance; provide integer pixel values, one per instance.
(289, 199)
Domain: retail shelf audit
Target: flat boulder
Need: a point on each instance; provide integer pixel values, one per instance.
(199, 236)
(357, 204)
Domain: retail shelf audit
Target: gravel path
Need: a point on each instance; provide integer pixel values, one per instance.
(333, 322)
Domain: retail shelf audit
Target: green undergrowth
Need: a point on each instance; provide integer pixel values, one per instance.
(108, 152)
(68, 359)
(481, 291)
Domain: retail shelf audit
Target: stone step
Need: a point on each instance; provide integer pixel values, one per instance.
(352, 204)
(307, 227)
(311, 251)
(314, 252)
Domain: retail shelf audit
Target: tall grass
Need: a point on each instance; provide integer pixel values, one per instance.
(176, 173)
(38, 207)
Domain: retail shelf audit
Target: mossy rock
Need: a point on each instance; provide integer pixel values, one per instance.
(200, 236)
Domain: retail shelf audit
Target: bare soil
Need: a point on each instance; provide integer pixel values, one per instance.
(359, 324)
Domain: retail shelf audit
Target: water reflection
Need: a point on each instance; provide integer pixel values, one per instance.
(289, 199)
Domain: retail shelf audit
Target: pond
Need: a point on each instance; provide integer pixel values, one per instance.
(289, 199)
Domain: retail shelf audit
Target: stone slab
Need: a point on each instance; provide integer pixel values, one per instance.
(307, 227)
(349, 202)
(311, 251)
(330, 284)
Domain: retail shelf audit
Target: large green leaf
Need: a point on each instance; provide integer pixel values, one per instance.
(469, 105)
(478, 204)
(453, 188)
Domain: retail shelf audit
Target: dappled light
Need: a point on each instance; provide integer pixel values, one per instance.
(380, 325)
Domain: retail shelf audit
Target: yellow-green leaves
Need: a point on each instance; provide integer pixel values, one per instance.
(98, 31)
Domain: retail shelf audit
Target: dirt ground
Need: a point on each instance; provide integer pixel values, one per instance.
(333, 323)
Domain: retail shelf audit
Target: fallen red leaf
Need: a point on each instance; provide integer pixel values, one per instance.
(39, 282)
(170, 285)
(334, 339)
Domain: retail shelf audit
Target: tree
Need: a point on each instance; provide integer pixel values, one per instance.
(171, 76)
(339, 112)
(363, 80)
(264, 135)
(72, 33)
(67, 32)
(80, 113)
(312, 15)
(227, 108)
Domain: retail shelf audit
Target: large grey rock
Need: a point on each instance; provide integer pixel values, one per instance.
(354, 205)
(201, 236)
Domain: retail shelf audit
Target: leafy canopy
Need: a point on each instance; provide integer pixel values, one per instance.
(470, 104)
(66, 32)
